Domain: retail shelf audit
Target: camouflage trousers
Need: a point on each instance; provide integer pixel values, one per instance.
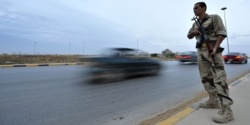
(214, 76)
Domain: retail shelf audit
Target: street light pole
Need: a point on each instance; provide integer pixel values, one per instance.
(69, 48)
(224, 8)
(83, 47)
(34, 51)
(137, 43)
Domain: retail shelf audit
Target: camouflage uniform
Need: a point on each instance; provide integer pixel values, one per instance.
(213, 76)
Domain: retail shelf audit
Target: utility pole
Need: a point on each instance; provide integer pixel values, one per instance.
(224, 8)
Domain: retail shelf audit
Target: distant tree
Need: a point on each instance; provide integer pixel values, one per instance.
(153, 55)
(168, 53)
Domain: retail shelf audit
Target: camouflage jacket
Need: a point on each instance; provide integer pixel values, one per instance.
(213, 25)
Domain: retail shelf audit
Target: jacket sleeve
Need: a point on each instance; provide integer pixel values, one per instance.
(219, 27)
(191, 29)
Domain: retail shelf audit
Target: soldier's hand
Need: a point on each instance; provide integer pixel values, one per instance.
(196, 32)
(214, 51)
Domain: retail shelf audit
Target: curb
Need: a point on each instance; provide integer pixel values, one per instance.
(184, 113)
(177, 117)
(42, 64)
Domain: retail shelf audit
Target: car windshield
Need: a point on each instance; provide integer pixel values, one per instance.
(187, 53)
(233, 53)
(119, 52)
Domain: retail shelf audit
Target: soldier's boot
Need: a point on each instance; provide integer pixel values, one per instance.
(224, 115)
(212, 102)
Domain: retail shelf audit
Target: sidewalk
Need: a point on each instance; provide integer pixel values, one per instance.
(239, 92)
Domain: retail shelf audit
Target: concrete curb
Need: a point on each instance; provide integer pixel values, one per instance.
(40, 64)
(175, 118)
(184, 113)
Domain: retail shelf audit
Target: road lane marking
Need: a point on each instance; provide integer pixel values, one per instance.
(175, 118)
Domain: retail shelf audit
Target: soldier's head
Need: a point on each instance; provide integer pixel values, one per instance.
(200, 8)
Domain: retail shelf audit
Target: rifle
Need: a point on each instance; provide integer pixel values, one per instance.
(204, 38)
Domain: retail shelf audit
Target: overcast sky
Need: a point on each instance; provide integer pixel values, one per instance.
(88, 26)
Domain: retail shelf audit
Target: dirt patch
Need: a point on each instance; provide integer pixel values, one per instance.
(185, 104)
(6, 59)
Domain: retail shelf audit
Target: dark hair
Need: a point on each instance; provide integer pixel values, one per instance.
(202, 5)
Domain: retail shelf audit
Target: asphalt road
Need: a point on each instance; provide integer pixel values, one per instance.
(60, 95)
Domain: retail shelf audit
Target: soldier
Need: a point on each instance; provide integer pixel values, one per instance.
(213, 77)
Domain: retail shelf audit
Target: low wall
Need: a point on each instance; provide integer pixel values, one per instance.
(29, 59)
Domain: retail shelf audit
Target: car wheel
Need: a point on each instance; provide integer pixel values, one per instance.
(113, 76)
(243, 61)
(180, 62)
(155, 70)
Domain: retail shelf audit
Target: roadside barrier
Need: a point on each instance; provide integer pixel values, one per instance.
(43, 64)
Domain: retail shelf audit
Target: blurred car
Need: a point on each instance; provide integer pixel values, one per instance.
(120, 63)
(235, 57)
(187, 56)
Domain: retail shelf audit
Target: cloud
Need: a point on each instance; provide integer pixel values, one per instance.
(2, 13)
(107, 23)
